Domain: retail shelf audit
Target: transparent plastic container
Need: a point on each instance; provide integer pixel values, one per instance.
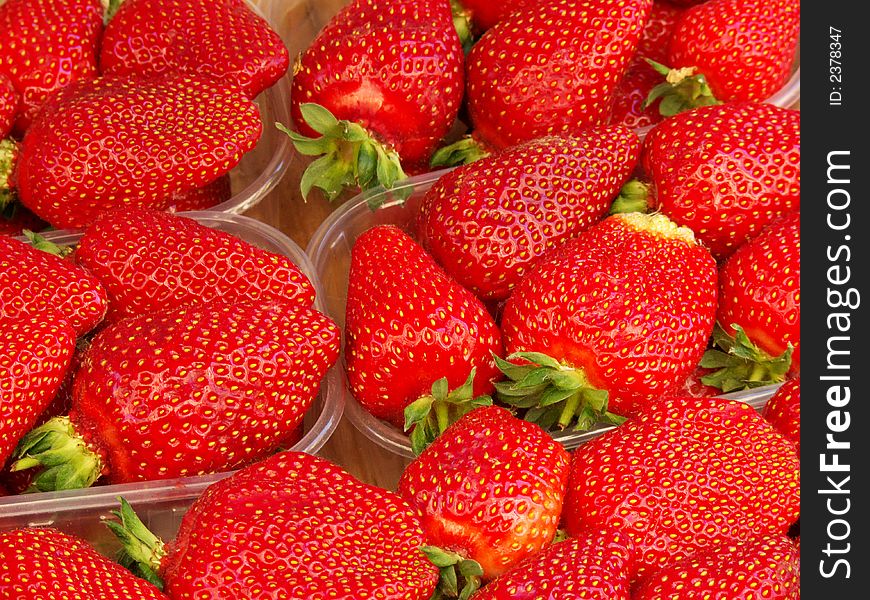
(330, 251)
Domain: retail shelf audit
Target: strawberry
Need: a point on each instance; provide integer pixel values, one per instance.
(205, 197)
(48, 564)
(630, 98)
(8, 105)
(49, 44)
(551, 69)
(392, 76)
(148, 261)
(745, 48)
(290, 526)
(222, 40)
(121, 141)
(725, 171)
(624, 312)
(598, 564)
(484, 14)
(486, 223)
(15, 219)
(10, 150)
(655, 42)
(196, 389)
(767, 567)
(33, 282)
(408, 325)
(683, 477)
(783, 411)
(490, 489)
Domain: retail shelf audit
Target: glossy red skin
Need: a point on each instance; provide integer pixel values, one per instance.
(49, 44)
(297, 526)
(409, 324)
(596, 565)
(33, 282)
(491, 488)
(529, 76)
(395, 68)
(728, 185)
(768, 567)
(694, 387)
(149, 260)
(47, 564)
(655, 42)
(205, 197)
(760, 289)
(121, 141)
(684, 477)
(783, 411)
(630, 96)
(484, 14)
(199, 389)
(745, 48)
(487, 222)
(8, 105)
(632, 309)
(220, 39)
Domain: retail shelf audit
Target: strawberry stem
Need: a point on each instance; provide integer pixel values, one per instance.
(141, 551)
(465, 151)
(41, 243)
(739, 364)
(633, 197)
(682, 90)
(460, 576)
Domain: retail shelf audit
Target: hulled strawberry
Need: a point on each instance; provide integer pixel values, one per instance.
(488, 222)
(490, 489)
(386, 82)
(624, 312)
(205, 197)
(123, 141)
(767, 567)
(48, 45)
(149, 260)
(783, 411)
(197, 389)
(219, 39)
(290, 526)
(745, 48)
(408, 325)
(685, 476)
(8, 105)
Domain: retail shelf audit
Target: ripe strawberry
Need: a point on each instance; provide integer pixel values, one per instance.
(655, 42)
(490, 489)
(222, 40)
(33, 282)
(486, 223)
(290, 526)
(196, 389)
(15, 219)
(625, 311)
(484, 14)
(408, 324)
(745, 48)
(8, 105)
(725, 171)
(48, 45)
(783, 411)
(148, 261)
(683, 477)
(768, 567)
(598, 564)
(120, 141)
(48, 564)
(203, 198)
(551, 69)
(392, 75)
(630, 98)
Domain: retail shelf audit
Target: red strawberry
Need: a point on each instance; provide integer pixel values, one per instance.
(291, 526)
(33, 282)
(683, 477)
(48, 45)
(48, 564)
(485, 14)
(551, 69)
(486, 223)
(205, 197)
(630, 98)
(219, 39)
(625, 311)
(767, 567)
(15, 219)
(745, 48)
(658, 32)
(392, 76)
(408, 324)
(725, 171)
(8, 105)
(694, 387)
(198, 389)
(783, 411)
(149, 261)
(490, 489)
(598, 564)
(122, 141)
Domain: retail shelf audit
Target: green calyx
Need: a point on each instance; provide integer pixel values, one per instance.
(633, 197)
(460, 576)
(9, 149)
(740, 364)
(462, 23)
(465, 151)
(682, 90)
(67, 462)
(349, 156)
(111, 7)
(432, 414)
(40, 243)
(141, 551)
(552, 394)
